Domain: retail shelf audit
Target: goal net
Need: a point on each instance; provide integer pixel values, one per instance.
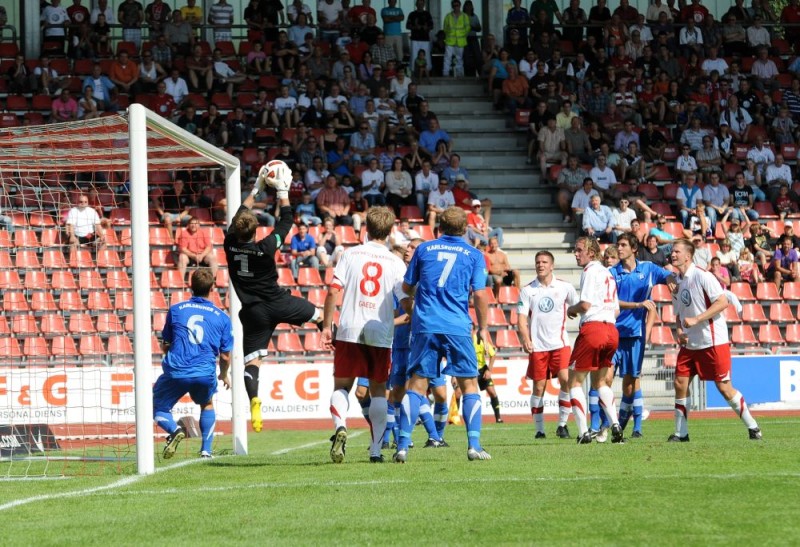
(79, 324)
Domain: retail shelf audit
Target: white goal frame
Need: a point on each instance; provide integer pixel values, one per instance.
(140, 121)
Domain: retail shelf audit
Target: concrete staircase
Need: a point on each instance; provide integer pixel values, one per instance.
(494, 154)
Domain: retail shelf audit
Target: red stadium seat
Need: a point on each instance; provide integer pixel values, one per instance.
(90, 280)
(91, 346)
(742, 335)
(732, 316)
(791, 291)
(68, 301)
(108, 259)
(311, 342)
(765, 209)
(793, 334)
(178, 296)
(661, 294)
(496, 318)
(52, 324)
(9, 279)
(119, 344)
(412, 213)
(25, 325)
(64, 346)
(15, 302)
(9, 348)
(25, 238)
(81, 258)
(309, 277)
(753, 313)
(780, 312)
(508, 296)
(28, 260)
(81, 323)
(157, 301)
(172, 279)
(117, 279)
(347, 235)
(662, 336)
(507, 339)
(770, 335)
(99, 301)
(742, 291)
(35, 348)
(63, 280)
(289, 342)
(108, 322)
(5, 240)
(767, 291)
(123, 301)
(668, 315)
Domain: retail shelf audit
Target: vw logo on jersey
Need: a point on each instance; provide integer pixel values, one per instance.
(546, 304)
(686, 298)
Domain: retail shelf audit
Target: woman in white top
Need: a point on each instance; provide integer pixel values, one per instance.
(87, 105)
(399, 186)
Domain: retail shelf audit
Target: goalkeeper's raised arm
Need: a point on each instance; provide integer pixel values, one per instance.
(275, 174)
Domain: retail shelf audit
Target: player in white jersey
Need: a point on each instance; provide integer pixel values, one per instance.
(597, 339)
(369, 275)
(699, 303)
(545, 300)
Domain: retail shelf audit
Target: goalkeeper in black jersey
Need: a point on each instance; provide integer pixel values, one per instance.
(252, 269)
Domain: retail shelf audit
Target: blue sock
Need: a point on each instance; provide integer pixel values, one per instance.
(166, 422)
(426, 416)
(208, 419)
(389, 421)
(396, 426)
(471, 408)
(625, 410)
(638, 409)
(409, 412)
(594, 409)
(440, 412)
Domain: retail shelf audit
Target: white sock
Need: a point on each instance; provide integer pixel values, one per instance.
(340, 404)
(578, 400)
(377, 417)
(682, 417)
(537, 410)
(564, 408)
(607, 400)
(739, 406)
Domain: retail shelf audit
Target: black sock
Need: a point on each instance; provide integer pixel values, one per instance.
(251, 381)
(496, 406)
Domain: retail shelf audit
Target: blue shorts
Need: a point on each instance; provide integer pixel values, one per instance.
(167, 391)
(398, 376)
(629, 357)
(428, 350)
(362, 382)
(438, 381)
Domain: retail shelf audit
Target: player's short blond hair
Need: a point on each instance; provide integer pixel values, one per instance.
(592, 246)
(244, 226)
(453, 222)
(686, 244)
(380, 221)
(202, 281)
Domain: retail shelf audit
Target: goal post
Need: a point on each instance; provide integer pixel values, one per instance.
(42, 170)
(140, 120)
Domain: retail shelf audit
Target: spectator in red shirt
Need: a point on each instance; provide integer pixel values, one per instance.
(195, 248)
(695, 11)
(478, 230)
(791, 14)
(163, 103)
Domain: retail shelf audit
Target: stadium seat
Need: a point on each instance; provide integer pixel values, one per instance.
(347, 235)
(508, 296)
(35, 349)
(496, 318)
(662, 336)
(178, 296)
(223, 279)
(119, 344)
(780, 312)
(81, 258)
(25, 325)
(69, 301)
(90, 280)
(742, 291)
(162, 258)
(731, 315)
(9, 348)
(661, 294)
(25, 239)
(5, 328)
(668, 314)
(507, 339)
(767, 291)
(662, 208)
(27, 259)
(63, 346)
(172, 279)
(753, 313)
(317, 296)
(764, 210)
(222, 259)
(670, 191)
(5, 240)
(9, 279)
(128, 47)
(159, 319)
(309, 277)
(791, 291)
(289, 342)
(160, 237)
(793, 334)
(109, 323)
(311, 342)
(15, 302)
(412, 213)
(425, 232)
(63, 280)
(50, 237)
(108, 259)
(123, 301)
(157, 301)
(770, 335)
(52, 324)
(42, 103)
(99, 301)
(91, 345)
(117, 279)
(81, 323)
(742, 335)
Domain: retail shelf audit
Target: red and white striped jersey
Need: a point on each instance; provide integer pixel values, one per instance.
(697, 290)
(369, 275)
(546, 308)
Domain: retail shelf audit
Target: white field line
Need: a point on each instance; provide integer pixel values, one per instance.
(388, 482)
(127, 481)
(283, 451)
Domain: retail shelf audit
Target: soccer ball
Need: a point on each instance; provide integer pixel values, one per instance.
(276, 174)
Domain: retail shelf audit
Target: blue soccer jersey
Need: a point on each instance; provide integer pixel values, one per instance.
(636, 286)
(197, 332)
(402, 333)
(443, 271)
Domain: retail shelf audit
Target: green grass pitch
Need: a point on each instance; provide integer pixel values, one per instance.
(718, 489)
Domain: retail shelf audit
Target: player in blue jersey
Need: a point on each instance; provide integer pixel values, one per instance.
(440, 276)
(635, 281)
(195, 333)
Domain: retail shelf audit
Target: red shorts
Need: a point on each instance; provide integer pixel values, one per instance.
(595, 346)
(543, 365)
(351, 360)
(713, 364)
